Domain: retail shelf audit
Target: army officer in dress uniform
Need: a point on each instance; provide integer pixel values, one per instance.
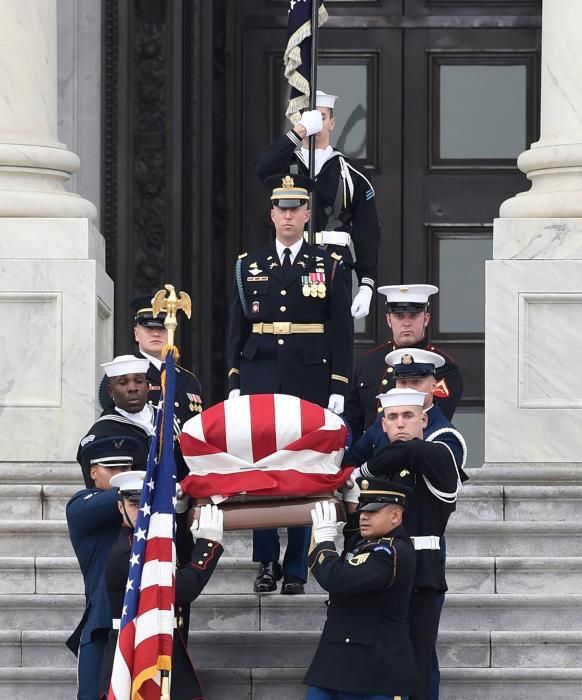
(408, 317)
(290, 333)
(365, 649)
(151, 335)
(94, 521)
(345, 205)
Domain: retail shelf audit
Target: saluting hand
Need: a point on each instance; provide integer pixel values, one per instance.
(210, 526)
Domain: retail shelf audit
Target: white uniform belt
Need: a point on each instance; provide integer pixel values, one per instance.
(427, 542)
(115, 623)
(332, 238)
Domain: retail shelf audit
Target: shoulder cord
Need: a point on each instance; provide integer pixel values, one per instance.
(239, 284)
(443, 495)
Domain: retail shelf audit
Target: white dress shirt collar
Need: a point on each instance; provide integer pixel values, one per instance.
(153, 360)
(295, 248)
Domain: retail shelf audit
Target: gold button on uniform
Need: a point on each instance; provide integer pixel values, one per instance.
(379, 409)
(201, 562)
(283, 292)
(281, 341)
(390, 370)
(347, 640)
(282, 308)
(384, 382)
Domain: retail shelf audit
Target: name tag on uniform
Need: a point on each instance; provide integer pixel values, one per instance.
(257, 279)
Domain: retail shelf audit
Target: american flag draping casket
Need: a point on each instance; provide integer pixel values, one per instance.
(270, 445)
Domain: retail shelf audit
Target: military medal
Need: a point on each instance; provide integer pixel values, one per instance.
(313, 284)
(321, 285)
(305, 285)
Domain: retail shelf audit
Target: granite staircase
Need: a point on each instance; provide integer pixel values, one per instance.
(511, 626)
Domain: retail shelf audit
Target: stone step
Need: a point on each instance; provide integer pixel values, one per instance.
(35, 502)
(35, 538)
(286, 683)
(236, 649)
(234, 575)
(479, 503)
(541, 474)
(249, 649)
(41, 473)
(274, 612)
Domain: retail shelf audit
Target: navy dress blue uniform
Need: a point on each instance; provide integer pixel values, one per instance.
(111, 423)
(94, 521)
(191, 577)
(372, 377)
(365, 650)
(437, 428)
(429, 468)
(345, 201)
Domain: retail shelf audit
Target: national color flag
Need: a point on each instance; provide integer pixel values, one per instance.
(297, 57)
(144, 644)
(264, 445)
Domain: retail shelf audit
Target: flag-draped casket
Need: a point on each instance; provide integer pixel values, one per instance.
(264, 447)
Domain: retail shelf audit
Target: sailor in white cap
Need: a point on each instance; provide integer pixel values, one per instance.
(345, 208)
(407, 316)
(132, 416)
(430, 469)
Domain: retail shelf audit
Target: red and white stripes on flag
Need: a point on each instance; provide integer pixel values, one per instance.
(264, 445)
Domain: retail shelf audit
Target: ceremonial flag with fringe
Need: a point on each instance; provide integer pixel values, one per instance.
(144, 644)
(264, 445)
(297, 57)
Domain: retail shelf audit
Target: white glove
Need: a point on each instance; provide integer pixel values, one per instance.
(210, 526)
(361, 303)
(336, 403)
(311, 121)
(350, 491)
(324, 522)
(234, 393)
(182, 500)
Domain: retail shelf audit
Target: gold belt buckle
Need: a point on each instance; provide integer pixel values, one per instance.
(281, 327)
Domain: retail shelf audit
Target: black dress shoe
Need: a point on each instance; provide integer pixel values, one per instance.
(292, 586)
(269, 573)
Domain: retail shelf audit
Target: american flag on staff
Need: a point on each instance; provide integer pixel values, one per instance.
(297, 57)
(144, 644)
(264, 445)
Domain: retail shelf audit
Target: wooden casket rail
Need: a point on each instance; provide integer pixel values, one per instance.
(260, 512)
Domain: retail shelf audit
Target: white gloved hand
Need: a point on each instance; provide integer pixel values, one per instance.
(361, 303)
(182, 500)
(353, 476)
(234, 393)
(324, 522)
(350, 491)
(210, 526)
(311, 121)
(336, 403)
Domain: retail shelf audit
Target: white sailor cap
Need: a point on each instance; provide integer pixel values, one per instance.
(322, 99)
(401, 397)
(128, 481)
(413, 362)
(126, 364)
(407, 297)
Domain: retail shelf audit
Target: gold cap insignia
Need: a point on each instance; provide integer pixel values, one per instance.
(403, 290)
(404, 472)
(288, 181)
(407, 359)
(365, 484)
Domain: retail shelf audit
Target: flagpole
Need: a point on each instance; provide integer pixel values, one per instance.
(312, 103)
(165, 685)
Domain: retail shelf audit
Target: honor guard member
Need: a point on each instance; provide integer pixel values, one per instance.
(407, 316)
(191, 577)
(413, 369)
(365, 649)
(345, 208)
(131, 415)
(290, 333)
(93, 520)
(151, 335)
(429, 468)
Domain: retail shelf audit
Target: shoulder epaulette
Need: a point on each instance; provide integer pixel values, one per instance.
(242, 255)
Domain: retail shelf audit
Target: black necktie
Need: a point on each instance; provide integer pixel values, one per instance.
(286, 261)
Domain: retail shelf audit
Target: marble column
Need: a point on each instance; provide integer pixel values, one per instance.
(534, 282)
(55, 297)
